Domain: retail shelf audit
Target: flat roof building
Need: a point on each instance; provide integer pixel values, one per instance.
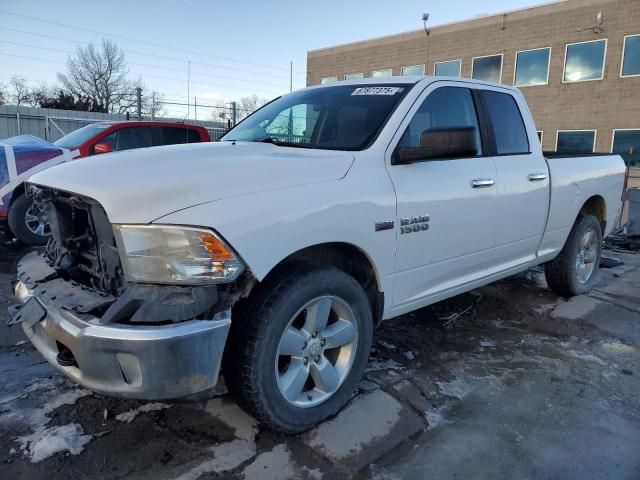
(576, 61)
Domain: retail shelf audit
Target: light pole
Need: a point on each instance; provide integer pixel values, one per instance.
(425, 18)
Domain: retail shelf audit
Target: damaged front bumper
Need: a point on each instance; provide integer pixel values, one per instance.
(124, 360)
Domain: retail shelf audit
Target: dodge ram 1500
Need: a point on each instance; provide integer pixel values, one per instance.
(273, 254)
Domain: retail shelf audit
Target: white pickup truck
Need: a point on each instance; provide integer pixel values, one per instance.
(273, 254)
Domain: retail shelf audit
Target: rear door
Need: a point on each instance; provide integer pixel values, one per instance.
(522, 184)
(446, 207)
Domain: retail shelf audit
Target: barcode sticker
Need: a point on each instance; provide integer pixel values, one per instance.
(376, 91)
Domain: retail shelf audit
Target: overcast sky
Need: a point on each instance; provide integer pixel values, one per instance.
(236, 47)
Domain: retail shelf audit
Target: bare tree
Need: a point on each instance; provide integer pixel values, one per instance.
(99, 73)
(19, 90)
(221, 112)
(250, 104)
(41, 94)
(4, 96)
(153, 105)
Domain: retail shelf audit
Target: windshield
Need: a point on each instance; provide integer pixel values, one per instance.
(346, 117)
(78, 137)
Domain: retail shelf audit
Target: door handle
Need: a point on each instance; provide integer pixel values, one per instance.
(483, 183)
(536, 177)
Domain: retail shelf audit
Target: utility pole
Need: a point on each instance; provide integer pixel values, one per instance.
(291, 76)
(153, 106)
(139, 97)
(195, 108)
(234, 113)
(188, 85)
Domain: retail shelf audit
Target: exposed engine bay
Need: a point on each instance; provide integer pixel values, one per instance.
(80, 270)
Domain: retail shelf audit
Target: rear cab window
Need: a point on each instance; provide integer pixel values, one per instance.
(505, 120)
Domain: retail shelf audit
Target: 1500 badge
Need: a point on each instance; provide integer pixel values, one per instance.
(414, 224)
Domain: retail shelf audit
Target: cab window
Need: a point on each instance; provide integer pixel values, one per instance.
(506, 121)
(444, 108)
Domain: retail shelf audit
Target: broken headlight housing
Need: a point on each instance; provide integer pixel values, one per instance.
(175, 255)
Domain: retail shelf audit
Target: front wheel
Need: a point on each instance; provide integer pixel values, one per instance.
(573, 271)
(28, 222)
(298, 348)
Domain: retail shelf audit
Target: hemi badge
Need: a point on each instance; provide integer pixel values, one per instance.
(384, 225)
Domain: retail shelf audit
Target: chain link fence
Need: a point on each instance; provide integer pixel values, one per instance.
(52, 124)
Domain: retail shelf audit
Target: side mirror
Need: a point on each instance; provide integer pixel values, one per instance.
(102, 148)
(441, 144)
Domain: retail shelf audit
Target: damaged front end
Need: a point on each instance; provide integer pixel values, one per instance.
(116, 336)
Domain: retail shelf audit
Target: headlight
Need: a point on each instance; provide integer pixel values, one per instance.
(175, 255)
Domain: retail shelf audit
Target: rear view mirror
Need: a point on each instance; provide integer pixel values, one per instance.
(102, 148)
(441, 144)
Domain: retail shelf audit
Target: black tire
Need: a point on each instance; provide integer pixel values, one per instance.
(17, 223)
(562, 273)
(256, 332)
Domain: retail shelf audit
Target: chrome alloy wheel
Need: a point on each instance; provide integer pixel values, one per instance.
(316, 351)
(587, 256)
(37, 221)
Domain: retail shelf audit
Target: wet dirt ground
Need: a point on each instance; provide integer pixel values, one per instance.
(508, 381)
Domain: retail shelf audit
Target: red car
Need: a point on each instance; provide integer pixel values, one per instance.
(32, 226)
(105, 137)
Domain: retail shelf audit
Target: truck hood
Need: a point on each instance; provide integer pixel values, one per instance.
(139, 186)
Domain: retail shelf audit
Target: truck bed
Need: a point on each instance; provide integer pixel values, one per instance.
(574, 180)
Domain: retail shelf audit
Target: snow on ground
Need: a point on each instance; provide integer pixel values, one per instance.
(44, 443)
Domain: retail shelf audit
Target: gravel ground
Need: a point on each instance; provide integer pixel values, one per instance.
(508, 381)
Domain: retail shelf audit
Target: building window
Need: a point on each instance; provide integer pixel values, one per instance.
(413, 70)
(540, 135)
(329, 80)
(452, 68)
(626, 143)
(487, 68)
(576, 141)
(584, 61)
(631, 56)
(382, 73)
(532, 67)
(354, 76)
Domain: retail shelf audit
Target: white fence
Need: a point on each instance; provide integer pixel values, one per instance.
(52, 124)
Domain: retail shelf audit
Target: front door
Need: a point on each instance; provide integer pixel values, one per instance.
(446, 207)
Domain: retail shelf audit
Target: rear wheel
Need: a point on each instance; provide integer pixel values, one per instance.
(574, 270)
(299, 347)
(28, 222)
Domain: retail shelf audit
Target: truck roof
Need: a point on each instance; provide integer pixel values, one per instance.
(411, 80)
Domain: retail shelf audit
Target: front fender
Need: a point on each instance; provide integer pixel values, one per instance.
(266, 227)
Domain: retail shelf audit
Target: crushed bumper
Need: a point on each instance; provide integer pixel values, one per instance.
(133, 361)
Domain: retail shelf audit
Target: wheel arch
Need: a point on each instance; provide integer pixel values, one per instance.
(595, 205)
(346, 257)
(19, 190)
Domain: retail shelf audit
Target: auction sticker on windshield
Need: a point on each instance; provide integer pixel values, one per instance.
(376, 91)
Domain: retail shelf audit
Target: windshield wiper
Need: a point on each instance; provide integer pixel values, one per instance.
(280, 143)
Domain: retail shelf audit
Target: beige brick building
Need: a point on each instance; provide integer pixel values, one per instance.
(594, 93)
